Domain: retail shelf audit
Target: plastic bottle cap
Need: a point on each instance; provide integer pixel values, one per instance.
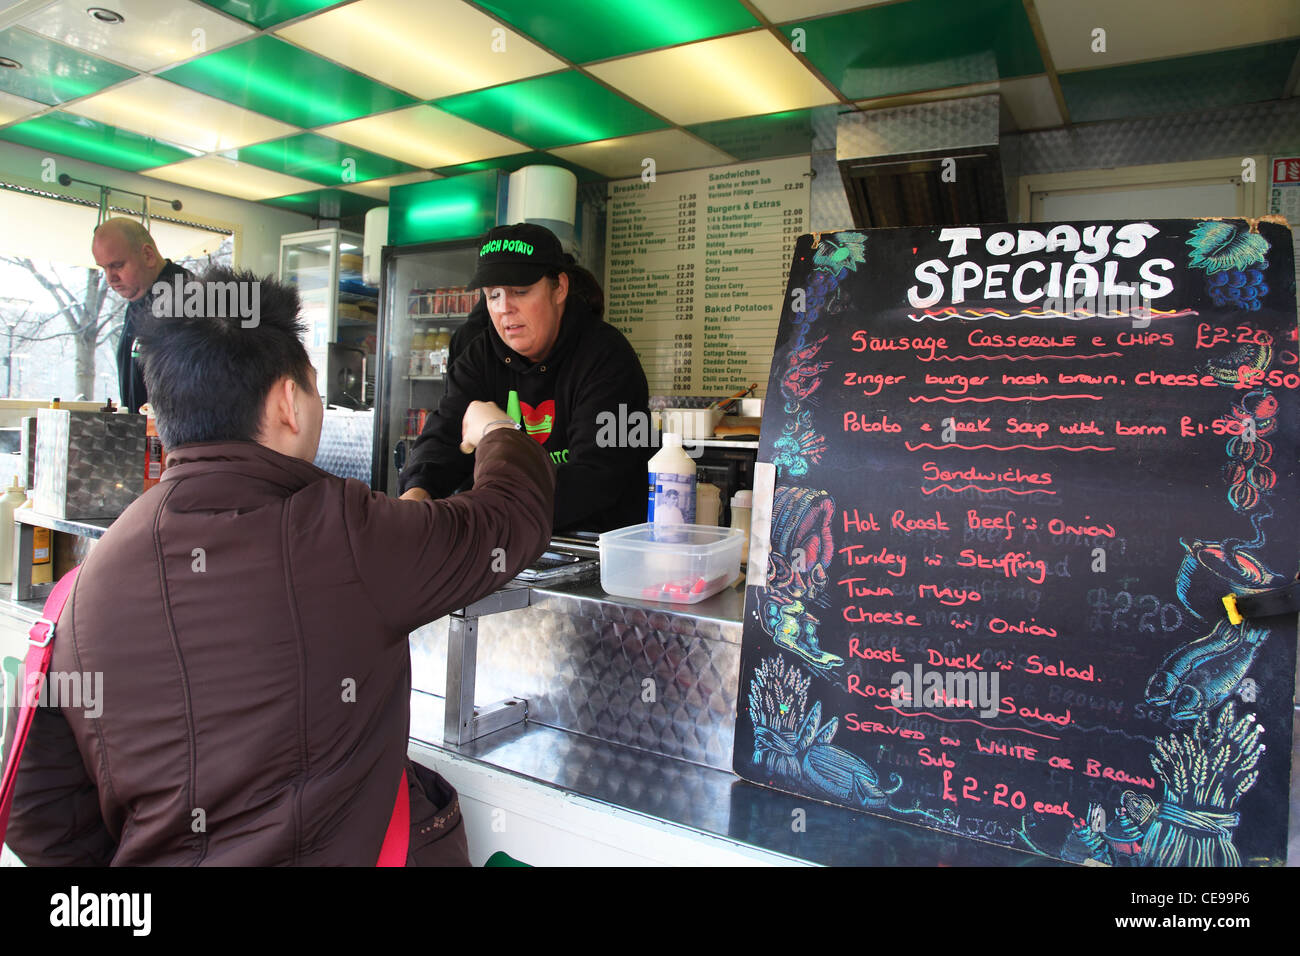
(671, 440)
(743, 499)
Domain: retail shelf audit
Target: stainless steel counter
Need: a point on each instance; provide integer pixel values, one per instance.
(708, 799)
(655, 676)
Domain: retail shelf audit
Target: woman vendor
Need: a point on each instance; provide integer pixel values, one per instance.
(548, 343)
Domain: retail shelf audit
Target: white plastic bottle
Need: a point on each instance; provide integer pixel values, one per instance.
(14, 498)
(672, 484)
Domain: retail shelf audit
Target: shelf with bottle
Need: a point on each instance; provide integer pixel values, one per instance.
(429, 352)
(440, 303)
(439, 317)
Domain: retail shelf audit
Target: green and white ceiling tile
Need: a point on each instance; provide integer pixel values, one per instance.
(920, 45)
(1180, 85)
(717, 79)
(424, 137)
(163, 110)
(279, 80)
(781, 11)
(267, 99)
(241, 180)
(508, 164)
(623, 27)
(425, 51)
(327, 203)
(377, 189)
(50, 72)
(15, 107)
(320, 160)
(549, 111)
(1136, 31)
(757, 137)
(1030, 103)
(267, 13)
(624, 157)
(81, 138)
(152, 34)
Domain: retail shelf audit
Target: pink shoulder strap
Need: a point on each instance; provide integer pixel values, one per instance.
(40, 652)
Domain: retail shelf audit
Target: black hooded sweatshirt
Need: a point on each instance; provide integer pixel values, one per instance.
(568, 400)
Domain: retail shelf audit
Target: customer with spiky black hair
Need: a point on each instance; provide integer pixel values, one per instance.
(249, 615)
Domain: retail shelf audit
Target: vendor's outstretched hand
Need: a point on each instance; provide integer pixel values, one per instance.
(416, 494)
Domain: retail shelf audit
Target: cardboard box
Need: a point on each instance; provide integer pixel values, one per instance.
(88, 464)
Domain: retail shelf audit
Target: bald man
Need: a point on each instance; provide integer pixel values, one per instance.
(129, 257)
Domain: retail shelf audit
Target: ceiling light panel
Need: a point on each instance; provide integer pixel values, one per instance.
(624, 157)
(152, 34)
(320, 160)
(400, 43)
(1031, 102)
(1152, 30)
(274, 78)
(229, 178)
(15, 107)
(424, 137)
(753, 73)
(52, 73)
(378, 188)
(779, 11)
(1185, 84)
(569, 26)
(267, 13)
(85, 139)
(554, 110)
(920, 45)
(509, 164)
(759, 137)
(154, 107)
(326, 203)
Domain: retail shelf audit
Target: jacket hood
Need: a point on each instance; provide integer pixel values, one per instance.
(577, 317)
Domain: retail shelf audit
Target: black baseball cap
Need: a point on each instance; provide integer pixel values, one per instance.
(517, 255)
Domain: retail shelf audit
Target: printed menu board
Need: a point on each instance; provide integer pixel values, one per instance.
(1014, 470)
(696, 263)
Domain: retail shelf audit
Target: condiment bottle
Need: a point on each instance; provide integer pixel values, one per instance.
(708, 503)
(672, 484)
(742, 504)
(13, 498)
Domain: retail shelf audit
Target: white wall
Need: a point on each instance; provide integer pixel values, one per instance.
(257, 227)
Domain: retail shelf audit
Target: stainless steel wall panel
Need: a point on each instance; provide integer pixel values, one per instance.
(945, 125)
(1267, 128)
(582, 665)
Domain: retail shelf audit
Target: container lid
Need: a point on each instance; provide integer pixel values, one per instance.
(671, 440)
(743, 499)
(690, 538)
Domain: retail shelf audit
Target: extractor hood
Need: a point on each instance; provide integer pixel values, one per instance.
(922, 165)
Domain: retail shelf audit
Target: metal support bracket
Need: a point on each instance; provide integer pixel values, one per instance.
(462, 720)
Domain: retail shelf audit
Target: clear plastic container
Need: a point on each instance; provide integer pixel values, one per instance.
(681, 564)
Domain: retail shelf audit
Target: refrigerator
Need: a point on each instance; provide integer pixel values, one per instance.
(423, 299)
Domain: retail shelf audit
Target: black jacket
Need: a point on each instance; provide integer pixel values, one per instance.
(130, 373)
(591, 370)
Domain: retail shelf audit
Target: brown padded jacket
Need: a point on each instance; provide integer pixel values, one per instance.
(249, 617)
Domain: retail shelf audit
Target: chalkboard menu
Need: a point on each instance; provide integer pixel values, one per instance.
(1014, 472)
(695, 266)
